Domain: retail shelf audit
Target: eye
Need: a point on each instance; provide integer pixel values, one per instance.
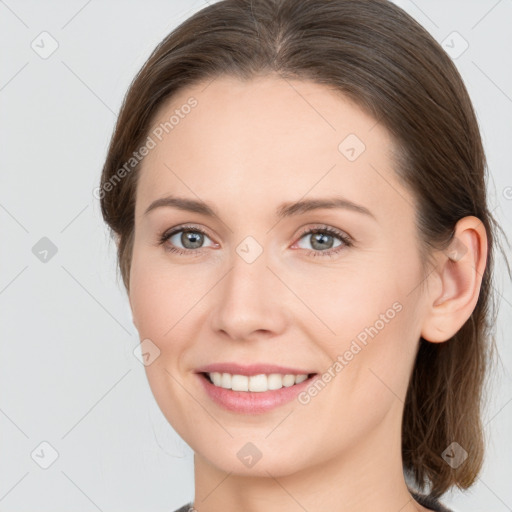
(322, 239)
(190, 237)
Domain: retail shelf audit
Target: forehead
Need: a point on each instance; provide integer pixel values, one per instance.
(267, 139)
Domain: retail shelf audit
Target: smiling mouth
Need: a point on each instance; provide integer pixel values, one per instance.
(254, 383)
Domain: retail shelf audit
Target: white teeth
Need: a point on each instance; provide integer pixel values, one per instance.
(288, 380)
(226, 380)
(255, 383)
(216, 378)
(240, 383)
(275, 381)
(300, 378)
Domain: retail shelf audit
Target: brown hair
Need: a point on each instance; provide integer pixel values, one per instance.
(391, 67)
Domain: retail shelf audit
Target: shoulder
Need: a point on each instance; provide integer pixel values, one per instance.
(430, 502)
(185, 508)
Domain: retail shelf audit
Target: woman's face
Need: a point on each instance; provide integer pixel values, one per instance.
(262, 287)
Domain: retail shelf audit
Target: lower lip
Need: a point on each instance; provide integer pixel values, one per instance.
(251, 402)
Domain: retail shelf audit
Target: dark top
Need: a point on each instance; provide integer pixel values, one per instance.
(184, 508)
(426, 501)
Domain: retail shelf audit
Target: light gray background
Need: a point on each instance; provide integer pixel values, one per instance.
(68, 373)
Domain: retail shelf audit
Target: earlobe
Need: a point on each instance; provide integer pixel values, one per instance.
(459, 275)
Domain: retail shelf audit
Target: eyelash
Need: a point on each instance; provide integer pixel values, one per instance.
(347, 242)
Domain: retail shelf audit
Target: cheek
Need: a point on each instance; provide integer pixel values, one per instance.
(160, 301)
(150, 305)
(160, 294)
(166, 302)
(356, 303)
(375, 318)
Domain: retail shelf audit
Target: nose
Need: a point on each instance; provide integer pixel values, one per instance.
(250, 301)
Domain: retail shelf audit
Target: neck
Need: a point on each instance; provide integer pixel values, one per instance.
(363, 478)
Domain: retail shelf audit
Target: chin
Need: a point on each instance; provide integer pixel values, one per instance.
(257, 459)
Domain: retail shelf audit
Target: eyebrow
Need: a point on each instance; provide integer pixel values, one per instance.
(284, 210)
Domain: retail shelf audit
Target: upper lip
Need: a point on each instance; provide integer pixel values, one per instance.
(251, 369)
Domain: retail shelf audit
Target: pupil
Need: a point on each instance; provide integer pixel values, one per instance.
(317, 239)
(188, 237)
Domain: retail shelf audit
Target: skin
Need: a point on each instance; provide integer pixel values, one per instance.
(246, 148)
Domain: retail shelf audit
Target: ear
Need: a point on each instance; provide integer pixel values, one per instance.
(454, 285)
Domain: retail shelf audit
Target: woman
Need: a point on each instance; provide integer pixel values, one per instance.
(297, 193)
